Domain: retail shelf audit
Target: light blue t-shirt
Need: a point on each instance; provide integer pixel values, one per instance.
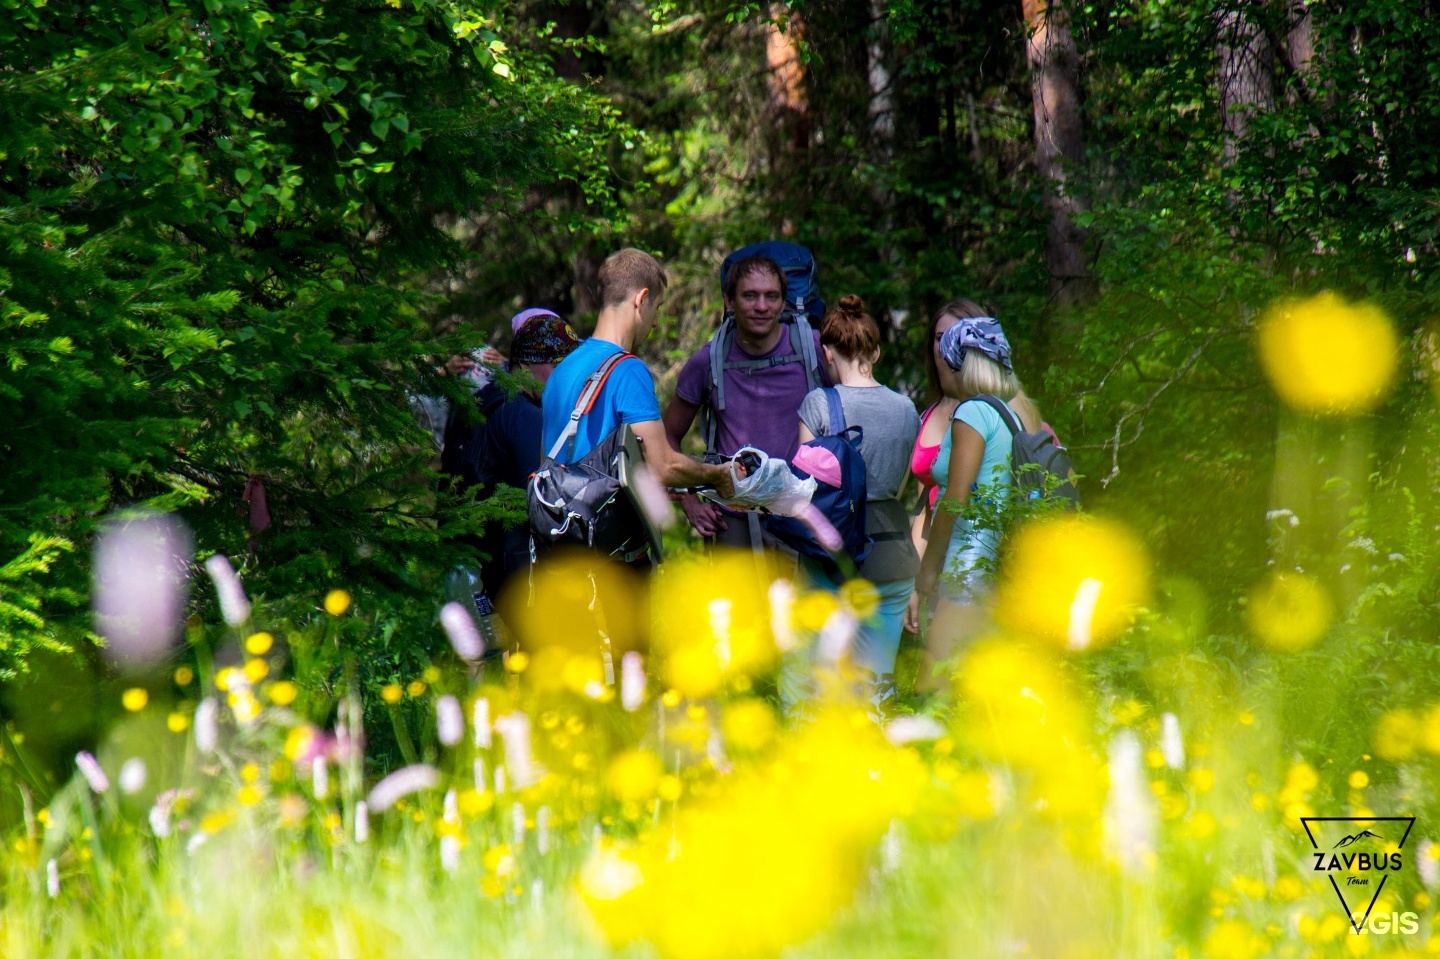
(994, 472)
(628, 396)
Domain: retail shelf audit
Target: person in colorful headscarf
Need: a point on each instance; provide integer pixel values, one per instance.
(955, 571)
(502, 444)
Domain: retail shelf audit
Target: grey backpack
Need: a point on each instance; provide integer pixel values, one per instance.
(1034, 457)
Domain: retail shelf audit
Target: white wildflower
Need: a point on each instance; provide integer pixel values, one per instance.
(911, 729)
(234, 607)
(362, 821)
(449, 720)
(90, 768)
(402, 782)
(132, 775)
(632, 681)
(1129, 817)
(1171, 745)
(460, 628)
(207, 730)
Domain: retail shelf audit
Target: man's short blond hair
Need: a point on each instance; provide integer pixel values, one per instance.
(626, 272)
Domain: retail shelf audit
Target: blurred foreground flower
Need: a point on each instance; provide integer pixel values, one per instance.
(714, 617)
(1290, 611)
(141, 583)
(234, 606)
(767, 863)
(1074, 581)
(1325, 354)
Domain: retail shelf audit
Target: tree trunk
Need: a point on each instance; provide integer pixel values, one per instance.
(788, 107)
(1059, 145)
(1246, 76)
(882, 120)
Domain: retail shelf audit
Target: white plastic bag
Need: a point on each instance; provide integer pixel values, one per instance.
(772, 486)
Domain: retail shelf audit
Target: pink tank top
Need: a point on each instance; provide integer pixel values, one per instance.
(922, 461)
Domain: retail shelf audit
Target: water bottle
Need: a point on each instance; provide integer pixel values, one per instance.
(464, 585)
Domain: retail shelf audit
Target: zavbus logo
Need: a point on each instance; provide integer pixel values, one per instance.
(1358, 862)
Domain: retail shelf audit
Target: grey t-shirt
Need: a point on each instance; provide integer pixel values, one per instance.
(890, 426)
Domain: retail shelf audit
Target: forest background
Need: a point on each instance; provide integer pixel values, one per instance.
(235, 235)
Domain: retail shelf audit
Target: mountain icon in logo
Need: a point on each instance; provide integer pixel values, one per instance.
(1363, 834)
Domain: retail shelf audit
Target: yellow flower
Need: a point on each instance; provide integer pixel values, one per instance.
(282, 693)
(1324, 354)
(177, 722)
(861, 596)
(298, 741)
(392, 693)
(250, 772)
(1201, 779)
(1397, 734)
(184, 676)
(1359, 780)
(634, 775)
(748, 725)
(516, 662)
(669, 788)
(215, 821)
(415, 688)
(256, 670)
(1073, 581)
(258, 644)
(1290, 611)
(249, 795)
(337, 601)
(134, 699)
(473, 802)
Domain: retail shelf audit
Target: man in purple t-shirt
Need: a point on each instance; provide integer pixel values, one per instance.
(762, 402)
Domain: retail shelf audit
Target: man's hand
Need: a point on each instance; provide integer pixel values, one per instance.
(459, 363)
(706, 518)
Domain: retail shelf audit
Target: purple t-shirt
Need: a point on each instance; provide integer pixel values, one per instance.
(761, 405)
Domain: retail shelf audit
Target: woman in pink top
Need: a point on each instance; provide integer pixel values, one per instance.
(935, 421)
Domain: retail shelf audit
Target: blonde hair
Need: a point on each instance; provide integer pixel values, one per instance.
(980, 374)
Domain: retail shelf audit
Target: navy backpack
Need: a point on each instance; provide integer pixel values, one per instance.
(843, 505)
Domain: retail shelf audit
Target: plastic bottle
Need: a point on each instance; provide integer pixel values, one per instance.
(464, 585)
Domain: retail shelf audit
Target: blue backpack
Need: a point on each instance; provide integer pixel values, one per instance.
(843, 505)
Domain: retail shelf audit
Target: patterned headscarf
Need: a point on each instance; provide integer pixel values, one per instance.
(981, 334)
(543, 339)
(525, 316)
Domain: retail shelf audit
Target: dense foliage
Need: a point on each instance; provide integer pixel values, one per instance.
(217, 219)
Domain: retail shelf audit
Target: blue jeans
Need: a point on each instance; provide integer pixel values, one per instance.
(879, 638)
(876, 643)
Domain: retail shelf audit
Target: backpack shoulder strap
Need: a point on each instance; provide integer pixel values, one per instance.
(837, 411)
(1007, 415)
(714, 396)
(800, 330)
(586, 401)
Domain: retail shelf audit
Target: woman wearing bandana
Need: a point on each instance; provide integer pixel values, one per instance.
(954, 577)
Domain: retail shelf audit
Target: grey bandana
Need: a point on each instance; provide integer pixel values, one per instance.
(981, 334)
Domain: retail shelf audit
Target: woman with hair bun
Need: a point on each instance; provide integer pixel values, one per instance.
(974, 360)
(850, 341)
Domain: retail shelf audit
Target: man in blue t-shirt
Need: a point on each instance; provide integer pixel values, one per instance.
(632, 286)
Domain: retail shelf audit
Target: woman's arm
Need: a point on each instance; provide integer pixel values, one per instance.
(805, 434)
(967, 449)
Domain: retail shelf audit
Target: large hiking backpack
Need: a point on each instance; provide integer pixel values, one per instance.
(843, 505)
(802, 304)
(584, 503)
(1034, 457)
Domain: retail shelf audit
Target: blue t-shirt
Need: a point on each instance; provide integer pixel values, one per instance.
(628, 396)
(994, 472)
